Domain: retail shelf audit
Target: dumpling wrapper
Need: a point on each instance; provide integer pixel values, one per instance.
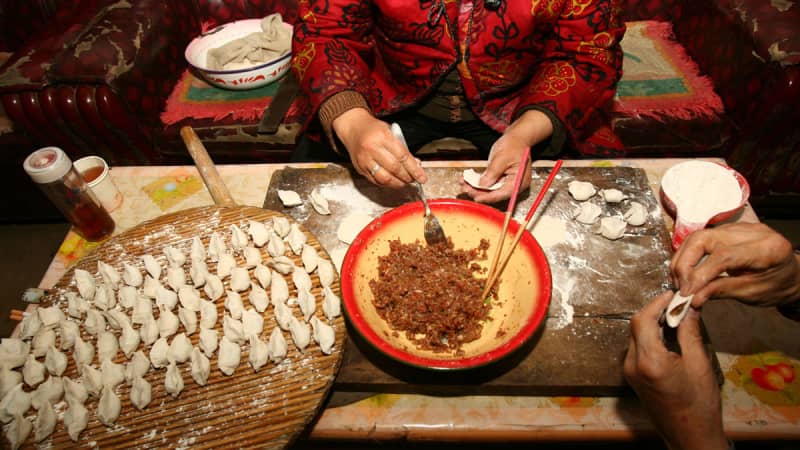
(289, 198)
(473, 179)
(677, 309)
(351, 226)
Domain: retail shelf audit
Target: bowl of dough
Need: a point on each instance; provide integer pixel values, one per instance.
(245, 54)
(423, 305)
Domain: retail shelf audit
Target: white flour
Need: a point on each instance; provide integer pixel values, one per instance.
(701, 190)
(549, 231)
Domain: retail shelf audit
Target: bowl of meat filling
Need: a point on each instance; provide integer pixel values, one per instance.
(423, 305)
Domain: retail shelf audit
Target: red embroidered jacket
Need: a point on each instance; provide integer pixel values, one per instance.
(561, 55)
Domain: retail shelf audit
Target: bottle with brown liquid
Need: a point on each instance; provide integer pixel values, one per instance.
(52, 170)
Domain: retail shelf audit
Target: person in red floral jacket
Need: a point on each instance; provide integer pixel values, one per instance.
(503, 74)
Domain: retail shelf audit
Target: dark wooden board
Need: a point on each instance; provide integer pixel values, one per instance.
(602, 281)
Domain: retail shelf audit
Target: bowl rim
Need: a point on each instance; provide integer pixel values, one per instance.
(215, 30)
(356, 318)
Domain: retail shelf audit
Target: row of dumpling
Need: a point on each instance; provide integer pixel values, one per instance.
(587, 212)
(318, 201)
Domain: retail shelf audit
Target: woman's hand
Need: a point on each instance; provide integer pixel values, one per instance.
(528, 130)
(375, 152)
(678, 391)
(761, 267)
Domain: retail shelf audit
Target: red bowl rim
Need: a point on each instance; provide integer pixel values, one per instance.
(720, 216)
(354, 315)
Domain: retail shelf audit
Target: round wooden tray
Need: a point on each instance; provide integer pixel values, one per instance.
(265, 409)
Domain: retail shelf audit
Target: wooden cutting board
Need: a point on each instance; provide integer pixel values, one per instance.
(597, 283)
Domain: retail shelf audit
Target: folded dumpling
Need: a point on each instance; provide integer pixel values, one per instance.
(275, 246)
(137, 367)
(239, 239)
(208, 314)
(197, 272)
(240, 279)
(279, 289)
(85, 283)
(69, 331)
(152, 266)
(159, 353)
(301, 279)
(33, 372)
(55, 361)
(319, 202)
(180, 348)
(50, 391)
(45, 422)
(167, 322)
(18, 431)
(252, 257)
(252, 322)
(201, 367)
(277, 346)
(75, 391)
(229, 356)
(166, 297)
(259, 352)
(225, 265)
(259, 232)
(127, 296)
(15, 402)
(213, 288)
(189, 298)
(188, 319)
(216, 247)
(281, 226)
(234, 305)
(296, 239)
(113, 374)
(129, 340)
(233, 329)
(323, 335)
(331, 304)
(258, 298)
(325, 272)
(283, 315)
(208, 341)
(141, 393)
(109, 274)
(309, 257)
(173, 381)
(176, 277)
(109, 407)
(262, 275)
(301, 333)
(307, 303)
(76, 417)
(197, 252)
(175, 257)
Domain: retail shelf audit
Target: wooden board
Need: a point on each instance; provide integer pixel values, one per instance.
(597, 284)
(265, 409)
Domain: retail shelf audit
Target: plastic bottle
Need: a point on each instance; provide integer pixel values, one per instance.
(52, 170)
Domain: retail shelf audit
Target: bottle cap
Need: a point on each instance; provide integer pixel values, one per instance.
(47, 164)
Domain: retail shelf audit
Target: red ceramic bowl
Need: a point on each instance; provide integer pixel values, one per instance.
(524, 289)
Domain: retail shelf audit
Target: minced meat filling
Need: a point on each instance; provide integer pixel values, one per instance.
(431, 293)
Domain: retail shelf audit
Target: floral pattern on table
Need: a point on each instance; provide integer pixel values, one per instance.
(771, 377)
(166, 192)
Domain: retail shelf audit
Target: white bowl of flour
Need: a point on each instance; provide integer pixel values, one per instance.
(699, 193)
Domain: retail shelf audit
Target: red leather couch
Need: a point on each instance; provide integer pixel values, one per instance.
(95, 80)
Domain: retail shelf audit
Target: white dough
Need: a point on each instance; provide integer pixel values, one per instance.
(325, 272)
(45, 422)
(239, 239)
(229, 356)
(83, 354)
(85, 283)
(233, 329)
(94, 323)
(301, 333)
(612, 195)
(151, 266)
(258, 232)
(180, 348)
(131, 275)
(259, 352)
(149, 330)
(612, 227)
(234, 305)
(281, 226)
(127, 296)
(159, 353)
(587, 213)
(277, 346)
(636, 215)
(176, 277)
(323, 335)
(15, 402)
(69, 331)
(310, 258)
(209, 340)
(301, 279)
(107, 345)
(252, 322)
(18, 431)
(92, 380)
(117, 319)
(55, 361)
(677, 309)
(166, 298)
(75, 391)
(319, 202)
(43, 340)
(50, 317)
(167, 322)
(240, 279)
(351, 226)
(281, 264)
(216, 247)
(289, 198)
(104, 297)
(197, 252)
(173, 380)
(29, 326)
(296, 239)
(279, 289)
(150, 286)
(275, 246)
(252, 257)
(701, 189)
(141, 393)
(283, 315)
(263, 275)
(129, 340)
(109, 407)
(76, 305)
(76, 417)
(189, 298)
(331, 304)
(112, 374)
(258, 298)
(50, 392)
(175, 257)
(138, 366)
(208, 314)
(581, 190)
(197, 272)
(307, 303)
(109, 274)
(200, 367)
(473, 179)
(32, 371)
(188, 320)
(213, 288)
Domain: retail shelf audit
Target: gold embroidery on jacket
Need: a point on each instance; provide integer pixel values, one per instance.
(576, 7)
(555, 79)
(598, 47)
(302, 60)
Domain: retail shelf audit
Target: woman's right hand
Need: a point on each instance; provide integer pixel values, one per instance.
(375, 152)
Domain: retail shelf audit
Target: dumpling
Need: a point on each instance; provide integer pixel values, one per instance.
(50, 391)
(279, 289)
(43, 340)
(283, 315)
(239, 239)
(612, 195)
(240, 279)
(331, 304)
(166, 297)
(30, 325)
(69, 331)
(259, 232)
(612, 227)
(307, 303)
(50, 317)
(92, 380)
(13, 351)
(32, 371)
(208, 341)
(75, 391)
(208, 314)
(167, 322)
(127, 296)
(197, 252)
(197, 272)
(188, 320)
(587, 213)
(129, 340)
(176, 277)
(259, 352)
(258, 298)
(281, 226)
(85, 283)
(131, 275)
(581, 190)
(117, 319)
(200, 367)
(109, 407)
(150, 286)
(45, 422)
(225, 265)
(319, 202)
(76, 305)
(189, 298)
(296, 239)
(234, 305)
(281, 264)
(213, 288)
(252, 322)
(301, 279)
(55, 361)
(151, 266)
(112, 374)
(104, 297)
(15, 402)
(216, 247)
(263, 275)
(289, 198)
(233, 329)
(180, 348)
(173, 381)
(94, 323)
(277, 346)
(107, 345)
(636, 215)
(310, 258)
(109, 274)
(76, 417)
(18, 431)
(141, 393)
(275, 246)
(8, 379)
(83, 354)
(137, 367)
(159, 352)
(323, 335)
(252, 257)
(325, 272)
(175, 257)
(149, 330)
(229, 356)
(301, 334)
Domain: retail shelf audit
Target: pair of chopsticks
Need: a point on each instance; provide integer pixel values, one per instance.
(496, 270)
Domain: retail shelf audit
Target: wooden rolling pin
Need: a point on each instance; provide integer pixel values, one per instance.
(208, 171)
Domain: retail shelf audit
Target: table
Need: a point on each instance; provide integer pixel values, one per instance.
(753, 338)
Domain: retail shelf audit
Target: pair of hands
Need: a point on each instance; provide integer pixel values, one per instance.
(384, 160)
(680, 391)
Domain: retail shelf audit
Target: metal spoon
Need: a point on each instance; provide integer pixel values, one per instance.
(434, 234)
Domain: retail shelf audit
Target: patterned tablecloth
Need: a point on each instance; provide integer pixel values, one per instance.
(756, 342)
